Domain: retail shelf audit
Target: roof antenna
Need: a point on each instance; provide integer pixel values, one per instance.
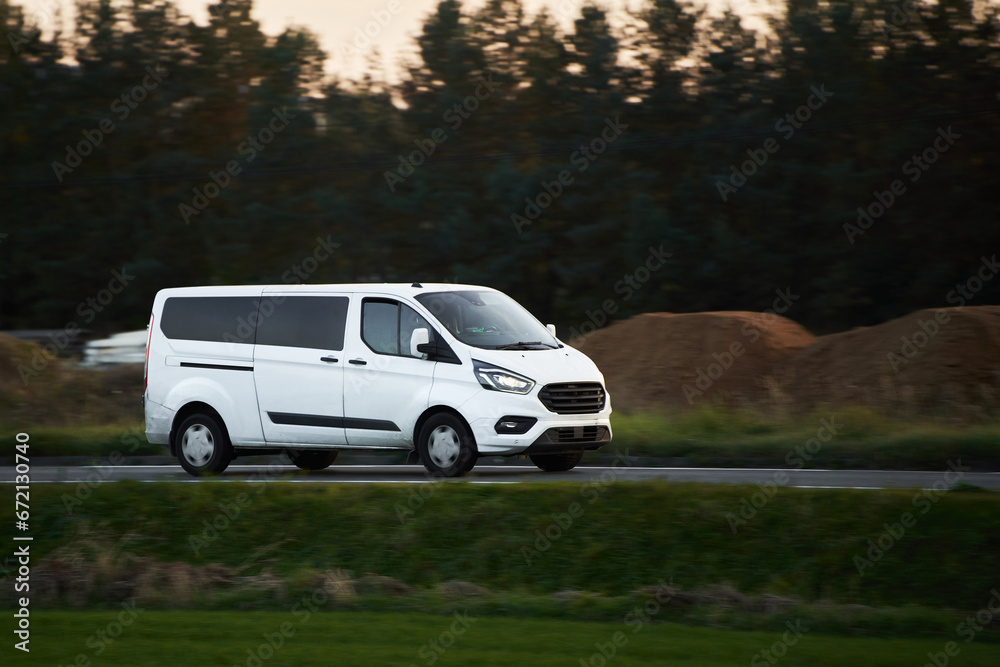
(416, 284)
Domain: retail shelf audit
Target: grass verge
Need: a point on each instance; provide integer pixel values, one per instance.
(847, 437)
(300, 636)
(854, 437)
(99, 442)
(877, 548)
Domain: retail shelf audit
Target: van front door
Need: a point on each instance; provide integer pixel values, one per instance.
(385, 387)
(299, 368)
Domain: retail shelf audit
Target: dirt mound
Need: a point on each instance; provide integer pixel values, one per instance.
(38, 388)
(926, 357)
(679, 360)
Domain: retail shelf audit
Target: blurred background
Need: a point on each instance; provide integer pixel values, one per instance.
(762, 220)
(697, 93)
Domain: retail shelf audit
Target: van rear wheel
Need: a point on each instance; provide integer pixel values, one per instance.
(556, 462)
(312, 459)
(203, 447)
(446, 446)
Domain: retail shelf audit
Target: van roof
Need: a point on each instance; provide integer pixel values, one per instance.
(399, 289)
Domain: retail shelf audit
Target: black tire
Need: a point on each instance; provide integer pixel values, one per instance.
(312, 459)
(446, 446)
(202, 445)
(556, 462)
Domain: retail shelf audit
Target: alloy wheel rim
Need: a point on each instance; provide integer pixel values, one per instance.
(198, 445)
(444, 446)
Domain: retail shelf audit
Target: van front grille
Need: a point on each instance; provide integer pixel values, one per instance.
(573, 398)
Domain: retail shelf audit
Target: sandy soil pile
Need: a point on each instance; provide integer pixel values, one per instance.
(679, 360)
(36, 389)
(926, 357)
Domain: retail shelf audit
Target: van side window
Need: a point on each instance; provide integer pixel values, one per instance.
(386, 326)
(409, 320)
(216, 319)
(303, 321)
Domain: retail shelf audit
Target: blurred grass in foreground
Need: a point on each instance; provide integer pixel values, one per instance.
(347, 639)
(804, 544)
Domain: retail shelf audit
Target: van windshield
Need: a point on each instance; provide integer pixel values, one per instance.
(488, 320)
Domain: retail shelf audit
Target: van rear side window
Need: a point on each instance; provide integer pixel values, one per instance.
(303, 321)
(216, 319)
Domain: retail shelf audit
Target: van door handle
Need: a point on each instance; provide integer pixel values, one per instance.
(330, 360)
(359, 362)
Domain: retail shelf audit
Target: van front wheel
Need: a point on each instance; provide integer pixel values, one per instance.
(556, 462)
(446, 447)
(202, 446)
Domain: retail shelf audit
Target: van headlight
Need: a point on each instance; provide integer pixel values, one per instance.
(495, 378)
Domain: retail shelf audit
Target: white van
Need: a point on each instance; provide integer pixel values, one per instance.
(454, 371)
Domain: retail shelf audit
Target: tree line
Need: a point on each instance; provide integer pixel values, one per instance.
(673, 161)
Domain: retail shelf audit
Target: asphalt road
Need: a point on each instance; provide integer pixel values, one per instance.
(513, 474)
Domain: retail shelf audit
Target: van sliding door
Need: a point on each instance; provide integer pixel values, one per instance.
(299, 368)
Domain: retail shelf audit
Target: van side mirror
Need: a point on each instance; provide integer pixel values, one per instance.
(551, 328)
(417, 338)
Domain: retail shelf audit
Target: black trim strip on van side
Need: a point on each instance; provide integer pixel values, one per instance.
(296, 419)
(220, 367)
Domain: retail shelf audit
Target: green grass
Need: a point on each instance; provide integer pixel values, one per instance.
(363, 639)
(802, 543)
(98, 442)
(864, 438)
(712, 436)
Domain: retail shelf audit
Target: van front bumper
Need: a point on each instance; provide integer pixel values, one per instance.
(547, 436)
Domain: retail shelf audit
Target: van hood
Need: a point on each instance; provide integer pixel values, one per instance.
(565, 364)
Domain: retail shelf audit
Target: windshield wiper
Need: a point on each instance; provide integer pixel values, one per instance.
(520, 346)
